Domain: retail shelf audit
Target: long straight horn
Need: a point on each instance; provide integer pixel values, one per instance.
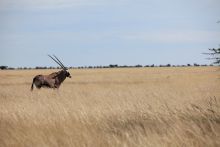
(60, 62)
(56, 61)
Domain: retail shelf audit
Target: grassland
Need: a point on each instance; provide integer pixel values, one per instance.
(113, 107)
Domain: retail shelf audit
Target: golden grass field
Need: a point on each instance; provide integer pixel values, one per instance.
(171, 107)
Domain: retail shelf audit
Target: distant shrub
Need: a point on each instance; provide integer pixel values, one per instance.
(3, 67)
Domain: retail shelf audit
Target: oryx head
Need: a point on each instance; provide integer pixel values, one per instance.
(67, 74)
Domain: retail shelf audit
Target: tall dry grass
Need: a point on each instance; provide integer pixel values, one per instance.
(113, 107)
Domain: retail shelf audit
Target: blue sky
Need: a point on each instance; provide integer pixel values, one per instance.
(103, 32)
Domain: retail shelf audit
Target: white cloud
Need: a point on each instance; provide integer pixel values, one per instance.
(45, 4)
(174, 36)
(17, 4)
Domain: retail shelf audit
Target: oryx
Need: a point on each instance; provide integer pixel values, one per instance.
(52, 80)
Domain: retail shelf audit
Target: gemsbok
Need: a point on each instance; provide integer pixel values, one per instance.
(52, 80)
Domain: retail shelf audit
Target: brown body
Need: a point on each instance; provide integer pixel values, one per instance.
(53, 80)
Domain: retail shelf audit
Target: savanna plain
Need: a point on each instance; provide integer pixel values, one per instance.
(176, 106)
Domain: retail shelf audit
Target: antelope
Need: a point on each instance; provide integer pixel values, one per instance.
(52, 80)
